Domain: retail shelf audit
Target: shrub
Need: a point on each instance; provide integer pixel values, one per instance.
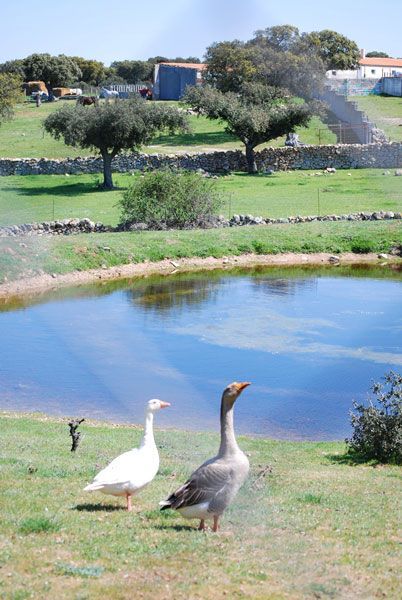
(167, 198)
(377, 426)
(361, 246)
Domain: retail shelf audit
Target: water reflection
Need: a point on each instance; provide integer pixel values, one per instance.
(283, 286)
(309, 340)
(174, 294)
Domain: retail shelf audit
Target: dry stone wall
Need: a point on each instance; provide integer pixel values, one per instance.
(341, 156)
(76, 226)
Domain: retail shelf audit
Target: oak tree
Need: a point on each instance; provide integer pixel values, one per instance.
(112, 128)
(255, 115)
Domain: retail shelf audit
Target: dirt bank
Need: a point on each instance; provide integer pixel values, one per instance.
(42, 283)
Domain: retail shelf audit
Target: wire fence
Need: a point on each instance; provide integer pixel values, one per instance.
(340, 133)
(312, 194)
(317, 198)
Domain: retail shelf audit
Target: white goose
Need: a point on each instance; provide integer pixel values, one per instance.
(214, 485)
(130, 472)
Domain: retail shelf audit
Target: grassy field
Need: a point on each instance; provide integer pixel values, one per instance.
(385, 112)
(53, 254)
(25, 137)
(316, 525)
(36, 198)
(24, 199)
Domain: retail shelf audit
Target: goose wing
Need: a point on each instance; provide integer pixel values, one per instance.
(120, 469)
(206, 484)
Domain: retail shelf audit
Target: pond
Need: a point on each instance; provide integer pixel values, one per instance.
(310, 341)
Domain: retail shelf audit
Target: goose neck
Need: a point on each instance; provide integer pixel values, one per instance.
(148, 437)
(228, 439)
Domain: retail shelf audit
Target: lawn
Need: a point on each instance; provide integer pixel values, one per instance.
(64, 254)
(315, 525)
(385, 112)
(24, 136)
(25, 199)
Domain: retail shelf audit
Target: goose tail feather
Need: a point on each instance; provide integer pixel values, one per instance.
(92, 487)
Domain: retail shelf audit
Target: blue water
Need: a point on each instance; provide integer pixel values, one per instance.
(309, 341)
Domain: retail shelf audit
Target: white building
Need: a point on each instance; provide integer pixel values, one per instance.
(370, 68)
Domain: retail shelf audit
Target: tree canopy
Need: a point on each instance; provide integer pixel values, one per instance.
(15, 67)
(229, 65)
(93, 72)
(56, 70)
(10, 92)
(377, 54)
(280, 56)
(255, 115)
(133, 71)
(336, 50)
(273, 57)
(282, 38)
(111, 128)
(158, 59)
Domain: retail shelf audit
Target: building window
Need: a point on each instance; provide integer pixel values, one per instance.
(373, 71)
(333, 72)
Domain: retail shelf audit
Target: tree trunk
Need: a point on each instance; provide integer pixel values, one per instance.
(250, 156)
(107, 171)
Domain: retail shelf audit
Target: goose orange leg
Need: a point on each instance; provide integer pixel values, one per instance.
(129, 507)
(201, 526)
(215, 526)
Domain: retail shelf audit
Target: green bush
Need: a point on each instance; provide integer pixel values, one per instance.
(170, 199)
(361, 246)
(377, 427)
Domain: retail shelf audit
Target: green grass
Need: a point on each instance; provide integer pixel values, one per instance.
(37, 525)
(24, 136)
(210, 135)
(33, 198)
(25, 199)
(385, 112)
(64, 254)
(277, 541)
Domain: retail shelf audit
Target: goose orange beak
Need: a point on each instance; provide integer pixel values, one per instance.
(164, 404)
(240, 386)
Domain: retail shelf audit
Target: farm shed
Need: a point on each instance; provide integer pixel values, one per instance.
(171, 79)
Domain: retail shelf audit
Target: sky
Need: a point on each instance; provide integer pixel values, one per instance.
(110, 30)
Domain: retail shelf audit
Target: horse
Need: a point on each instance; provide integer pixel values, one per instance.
(108, 94)
(87, 100)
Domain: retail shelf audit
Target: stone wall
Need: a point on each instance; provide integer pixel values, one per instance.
(341, 156)
(76, 226)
